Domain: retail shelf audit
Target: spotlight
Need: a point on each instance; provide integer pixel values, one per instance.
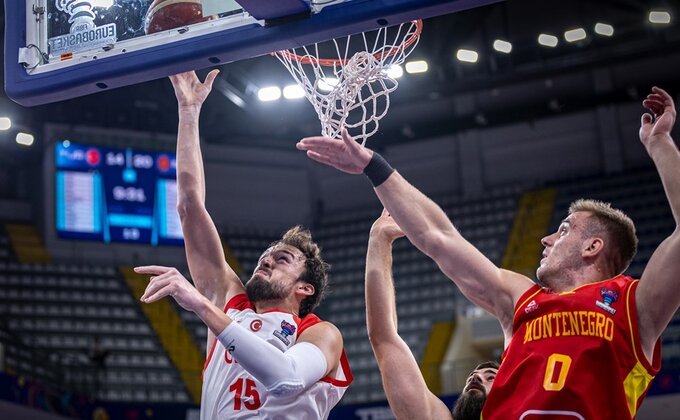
(25, 139)
(574, 35)
(269, 93)
(327, 84)
(604, 29)
(5, 123)
(468, 56)
(293, 92)
(413, 67)
(502, 46)
(395, 71)
(659, 17)
(547, 40)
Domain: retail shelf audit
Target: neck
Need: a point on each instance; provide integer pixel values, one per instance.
(283, 305)
(571, 279)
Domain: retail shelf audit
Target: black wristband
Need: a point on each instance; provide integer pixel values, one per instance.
(378, 170)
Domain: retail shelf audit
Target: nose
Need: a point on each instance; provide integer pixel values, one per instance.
(547, 240)
(266, 261)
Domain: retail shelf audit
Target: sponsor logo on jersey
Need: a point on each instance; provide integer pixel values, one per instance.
(256, 325)
(532, 306)
(287, 329)
(609, 296)
(570, 323)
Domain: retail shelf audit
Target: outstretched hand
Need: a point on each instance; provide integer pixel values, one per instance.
(168, 281)
(346, 155)
(189, 90)
(657, 127)
(386, 228)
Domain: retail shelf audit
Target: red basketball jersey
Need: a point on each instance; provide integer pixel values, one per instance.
(574, 355)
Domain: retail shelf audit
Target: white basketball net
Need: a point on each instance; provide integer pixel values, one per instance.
(353, 90)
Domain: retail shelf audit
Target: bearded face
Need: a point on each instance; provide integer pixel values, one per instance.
(469, 405)
(259, 289)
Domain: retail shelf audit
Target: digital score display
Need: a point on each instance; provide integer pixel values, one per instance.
(116, 195)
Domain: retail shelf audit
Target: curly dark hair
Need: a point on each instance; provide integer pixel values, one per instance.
(316, 269)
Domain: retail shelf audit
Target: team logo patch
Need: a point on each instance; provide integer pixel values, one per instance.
(287, 329)
(256, 325)
(609, 296)
(532, 306)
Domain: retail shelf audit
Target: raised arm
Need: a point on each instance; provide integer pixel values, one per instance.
(212, 276)
(658, 294)
(406, 390)
(427, 227)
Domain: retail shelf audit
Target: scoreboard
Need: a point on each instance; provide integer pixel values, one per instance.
(116, 195)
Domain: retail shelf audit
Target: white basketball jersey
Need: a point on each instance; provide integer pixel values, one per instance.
(229, 392)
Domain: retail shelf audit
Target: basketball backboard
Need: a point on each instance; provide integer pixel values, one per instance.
(61, 49)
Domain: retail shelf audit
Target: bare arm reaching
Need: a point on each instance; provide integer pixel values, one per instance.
(658, 295)
(212, 276)
(429, 229)
(404, 385)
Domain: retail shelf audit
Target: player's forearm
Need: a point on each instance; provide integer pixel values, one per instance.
(190, 175)
(381, 313)
(666, 158)
(418, 216)
(212, 316)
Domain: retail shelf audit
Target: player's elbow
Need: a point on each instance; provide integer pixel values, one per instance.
(188, 203)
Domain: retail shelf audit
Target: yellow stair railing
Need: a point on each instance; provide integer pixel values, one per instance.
(27, 244)
(172, 333)
(523, 250)
(433, 356)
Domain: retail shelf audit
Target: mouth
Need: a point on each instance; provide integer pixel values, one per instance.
(262, 272)
(475, 386)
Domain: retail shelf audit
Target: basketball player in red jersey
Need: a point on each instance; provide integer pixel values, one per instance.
(269, 356)
(587, 345)
(405, 388)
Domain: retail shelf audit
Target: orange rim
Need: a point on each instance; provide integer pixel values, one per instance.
(329, 62)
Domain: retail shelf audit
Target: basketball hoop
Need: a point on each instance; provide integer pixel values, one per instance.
(352, 90)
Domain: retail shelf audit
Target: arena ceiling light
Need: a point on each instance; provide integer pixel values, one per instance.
(575, 35)
(327, 84)
(269, 93)
(415, 67)
(467, 56)
(25, 139)
(293, 92)
(659, 17)
(548, 40)
(5, 123)
(604, 29)
(502, 46)
(395, 71)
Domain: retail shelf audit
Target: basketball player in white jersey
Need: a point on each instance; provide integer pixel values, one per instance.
(405, 387)
(268, 356)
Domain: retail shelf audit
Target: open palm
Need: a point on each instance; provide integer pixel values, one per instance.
(189, 90)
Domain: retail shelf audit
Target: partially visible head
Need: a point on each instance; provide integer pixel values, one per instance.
(593, 232)
(471, 401)
(292, 264)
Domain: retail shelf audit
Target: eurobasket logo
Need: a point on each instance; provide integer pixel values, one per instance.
(286, 330)
(84, 34)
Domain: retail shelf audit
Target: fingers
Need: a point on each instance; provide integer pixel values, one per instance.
(315, 143)
(210, 78)
(155, 285)
(152, 269)
(646, 119)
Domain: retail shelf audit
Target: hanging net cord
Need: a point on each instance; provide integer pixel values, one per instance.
(352, 91)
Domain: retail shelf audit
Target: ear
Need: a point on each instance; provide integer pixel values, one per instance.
(305, 289)
(593, 247)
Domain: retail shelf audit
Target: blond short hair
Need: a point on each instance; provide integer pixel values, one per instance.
(617, 228)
